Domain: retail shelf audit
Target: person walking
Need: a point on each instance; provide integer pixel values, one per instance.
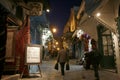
(46, 55)
(62, 58)
(95, 59)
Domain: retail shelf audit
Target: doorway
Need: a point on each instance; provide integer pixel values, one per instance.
(106, 47)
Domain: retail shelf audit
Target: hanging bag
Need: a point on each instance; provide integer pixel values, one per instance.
(67, 66)
(56, 66)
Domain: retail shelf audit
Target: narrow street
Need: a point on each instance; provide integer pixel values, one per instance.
(76, 72)
(31, 30)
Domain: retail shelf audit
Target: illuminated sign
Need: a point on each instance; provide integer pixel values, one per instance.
(33, 54)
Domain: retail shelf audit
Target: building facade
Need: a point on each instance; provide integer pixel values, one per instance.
(100, 19)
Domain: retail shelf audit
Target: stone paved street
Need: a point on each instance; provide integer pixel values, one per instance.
(76, 72)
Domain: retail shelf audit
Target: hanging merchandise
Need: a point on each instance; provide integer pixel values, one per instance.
(86, 39)
(80, 33)
(85, 45)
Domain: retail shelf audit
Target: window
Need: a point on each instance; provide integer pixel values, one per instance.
(107, 43)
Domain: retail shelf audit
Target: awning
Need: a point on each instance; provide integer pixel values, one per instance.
(14, 21)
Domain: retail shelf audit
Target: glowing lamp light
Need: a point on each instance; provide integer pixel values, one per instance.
(54, 30)
(56, 43)
(98, 14)
(47, 10)
(58, 49)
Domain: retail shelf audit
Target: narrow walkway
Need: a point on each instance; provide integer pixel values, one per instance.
(76, 72)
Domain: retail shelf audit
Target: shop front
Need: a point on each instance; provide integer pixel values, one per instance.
(106, 48)
(82, 45)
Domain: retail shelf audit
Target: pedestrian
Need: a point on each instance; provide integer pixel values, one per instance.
(62, 58)
(46, 55)
(95, 59)
(87, 60)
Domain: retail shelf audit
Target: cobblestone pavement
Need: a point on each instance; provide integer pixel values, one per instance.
(76, 72)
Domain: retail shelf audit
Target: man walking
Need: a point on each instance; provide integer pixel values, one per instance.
(62, 58)
(95, 58)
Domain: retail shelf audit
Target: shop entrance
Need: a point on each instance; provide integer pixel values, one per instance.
(106, 48)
